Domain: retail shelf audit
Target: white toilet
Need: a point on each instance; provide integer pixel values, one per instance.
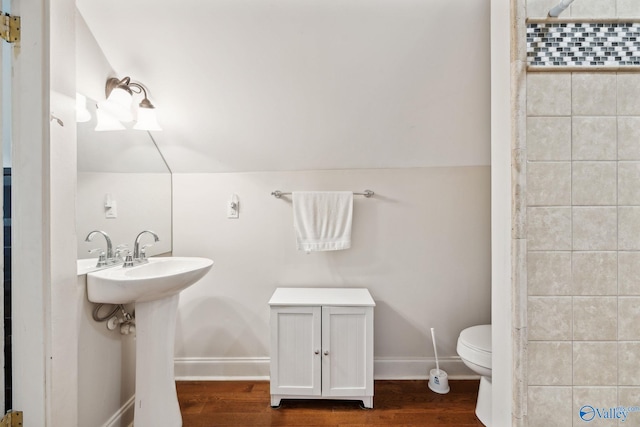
(474, 348)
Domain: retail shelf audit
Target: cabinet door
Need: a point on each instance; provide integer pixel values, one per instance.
(295, 351)
(347, 351)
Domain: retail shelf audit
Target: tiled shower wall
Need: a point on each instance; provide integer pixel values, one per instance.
(583, 244)
(582, 198)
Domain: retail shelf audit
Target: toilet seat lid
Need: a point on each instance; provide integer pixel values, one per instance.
(477, 338)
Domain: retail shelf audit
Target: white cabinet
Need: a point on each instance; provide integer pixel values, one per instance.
(322, 344)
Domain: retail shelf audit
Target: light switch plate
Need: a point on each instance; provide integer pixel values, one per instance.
(112, 210)
(233, 207)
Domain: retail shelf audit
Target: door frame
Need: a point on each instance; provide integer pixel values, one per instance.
(46, 309)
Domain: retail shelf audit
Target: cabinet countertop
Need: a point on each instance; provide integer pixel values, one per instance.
(322, 296)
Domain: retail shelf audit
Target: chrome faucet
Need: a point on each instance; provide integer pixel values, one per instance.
(138, 254)
(108, 257)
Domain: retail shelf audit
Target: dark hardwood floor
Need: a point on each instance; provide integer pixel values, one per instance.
(396, 403)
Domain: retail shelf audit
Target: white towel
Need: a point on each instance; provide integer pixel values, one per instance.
(322, 220)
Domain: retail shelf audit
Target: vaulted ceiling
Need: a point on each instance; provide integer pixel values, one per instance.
(260, 85)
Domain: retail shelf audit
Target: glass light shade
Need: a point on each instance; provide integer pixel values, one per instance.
(106, 121)
(118, 104)
(147, 119)
(82, 114)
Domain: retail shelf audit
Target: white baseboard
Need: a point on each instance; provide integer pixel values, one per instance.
(257, 368)
(418, 368)
(221, 368)
(124, 416)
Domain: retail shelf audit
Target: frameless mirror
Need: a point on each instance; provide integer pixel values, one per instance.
(124, 187)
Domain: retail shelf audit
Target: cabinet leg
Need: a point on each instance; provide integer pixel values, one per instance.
(275, 401)
(367, 402)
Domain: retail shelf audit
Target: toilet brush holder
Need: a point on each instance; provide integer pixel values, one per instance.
(439, 381)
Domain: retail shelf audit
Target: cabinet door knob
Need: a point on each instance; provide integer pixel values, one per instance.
(326, 352)
(317, 352)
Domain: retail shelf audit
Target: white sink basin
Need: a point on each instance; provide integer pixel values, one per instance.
(85, 266)
(155, 289)
(159, 278)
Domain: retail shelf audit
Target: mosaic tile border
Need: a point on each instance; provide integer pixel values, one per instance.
(575, 44)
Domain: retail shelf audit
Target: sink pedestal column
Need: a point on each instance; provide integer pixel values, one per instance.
(156, 396)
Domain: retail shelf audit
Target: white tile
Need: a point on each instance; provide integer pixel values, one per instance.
(549, 318)
(628, 94)
(628, 363)
(629, 183)
(594, 273)
(594, 228)
(540, 8)
(549, 273)
(549, 138)
(550, 363)
(594, 138)
(629, 138)
(549, 184)
(629, 396)
(593, 9)
(600, 397)
(629, 228)
(628, 273)
(594, 94)
(595, 363)
(629, 319)
(549, 228)
(593, 183)
(549, 406)
(595, 318)
(548, 94)
(628, 8)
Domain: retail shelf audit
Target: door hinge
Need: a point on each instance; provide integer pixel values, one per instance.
(9, 28)
(12, 419)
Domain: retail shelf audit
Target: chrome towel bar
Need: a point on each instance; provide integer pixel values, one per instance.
(278, 194)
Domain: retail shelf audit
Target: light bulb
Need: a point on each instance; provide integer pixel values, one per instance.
(106, 121)
(118, 104)
(147, 119)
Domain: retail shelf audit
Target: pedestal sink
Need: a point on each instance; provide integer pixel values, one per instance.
(154, 287)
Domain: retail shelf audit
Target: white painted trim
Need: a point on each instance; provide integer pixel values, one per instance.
(221, 368)
(5, 138)
(31, 286)
(501, 219)
(124, 414)
(418, 368)
(257, 368)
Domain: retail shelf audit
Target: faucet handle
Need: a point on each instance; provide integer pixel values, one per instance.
(143, 250)
(102, 257)
(120, 249)
(120, 253)
(102, 260)
(128, 262)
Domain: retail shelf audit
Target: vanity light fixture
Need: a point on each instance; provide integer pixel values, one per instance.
(105, 121)
(119, 93)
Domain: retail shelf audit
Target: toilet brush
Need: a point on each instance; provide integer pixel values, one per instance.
(438, 380)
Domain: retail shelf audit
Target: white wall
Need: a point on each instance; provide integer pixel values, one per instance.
(257, 85)
(105, 359)
(143, 203)
(92, 67)
(106, 367)
(421, 246)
